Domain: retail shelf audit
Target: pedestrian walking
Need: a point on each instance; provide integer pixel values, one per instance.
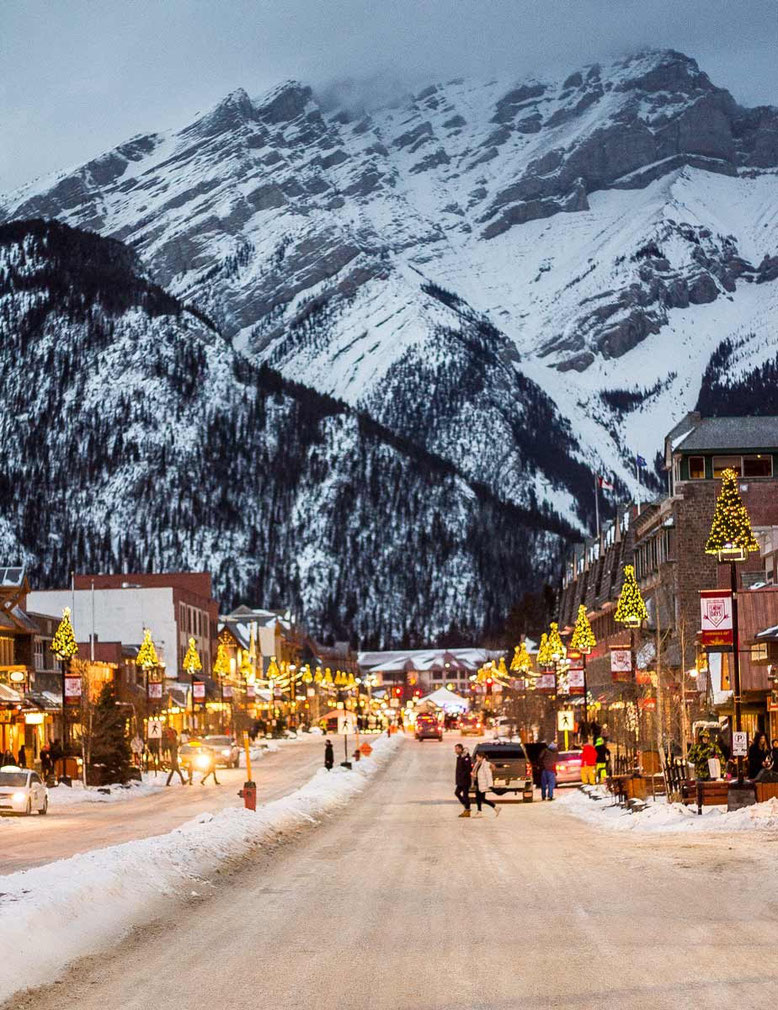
(588, 763)
(548, 760)
(329, 755)
(603, 757)
(483, 780)
(46, 765)
(210, 769)
(463, 778)
(136, 746)
(22, 756)
(175, 768)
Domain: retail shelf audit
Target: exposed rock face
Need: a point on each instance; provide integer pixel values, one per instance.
(310, 235)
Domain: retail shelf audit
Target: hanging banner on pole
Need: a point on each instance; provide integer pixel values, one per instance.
(155, 690)
(716, 614)
(574, 659)
(72, 690)
(198, 690)
(546, 682)
(575, 681)
(621, 664)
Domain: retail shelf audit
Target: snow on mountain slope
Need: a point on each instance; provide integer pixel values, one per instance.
(446, 261)
(137, 439)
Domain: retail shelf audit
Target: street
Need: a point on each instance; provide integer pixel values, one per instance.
(31, 841)
(396, 902)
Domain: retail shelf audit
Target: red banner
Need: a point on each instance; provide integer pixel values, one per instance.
(198, 689)
(575, 681)
(546, 682)
(72, 690)
(647, 704)
(716, 615)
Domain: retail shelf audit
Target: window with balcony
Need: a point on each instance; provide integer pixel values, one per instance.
(758, 466)
(696, 468)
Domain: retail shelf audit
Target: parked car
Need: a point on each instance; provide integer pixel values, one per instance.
(471, 724)
(226, 750)
(22, 791)
(512, 766)
(504, 728)
(428, 727)
(568, 767)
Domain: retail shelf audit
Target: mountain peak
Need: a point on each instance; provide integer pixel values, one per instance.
(284, 103)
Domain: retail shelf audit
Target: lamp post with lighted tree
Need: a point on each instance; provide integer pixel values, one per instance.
(731, 539)
(64, 648)
(192, 665)
(521, 666)
(583, 641)
(221, 667)
(148, 660)
(631, 612)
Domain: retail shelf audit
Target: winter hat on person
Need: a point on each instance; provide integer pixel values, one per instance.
(599, 742)
(552, 746)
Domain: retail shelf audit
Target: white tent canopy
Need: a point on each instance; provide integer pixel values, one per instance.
(443, 698)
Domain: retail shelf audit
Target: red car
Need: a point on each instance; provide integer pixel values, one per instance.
(471, 724)
(568, 767)
(428, 728)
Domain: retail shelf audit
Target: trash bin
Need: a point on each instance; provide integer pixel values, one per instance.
(249, 795)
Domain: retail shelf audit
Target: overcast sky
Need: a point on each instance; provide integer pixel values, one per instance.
(79, 76)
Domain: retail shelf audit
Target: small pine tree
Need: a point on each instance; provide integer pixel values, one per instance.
(583, 639)
(110, 744)
(730, 531)
(631, 609)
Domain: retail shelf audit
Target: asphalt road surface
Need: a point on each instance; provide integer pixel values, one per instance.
(396, 903)
(31, 841)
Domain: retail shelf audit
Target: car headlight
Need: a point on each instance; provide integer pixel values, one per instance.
(202, 761)
(19, 797)
(227, 753)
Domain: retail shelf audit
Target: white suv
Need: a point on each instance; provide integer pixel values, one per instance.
(22, 791)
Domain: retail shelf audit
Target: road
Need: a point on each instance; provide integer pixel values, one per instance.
(31, 841)
(397, 903)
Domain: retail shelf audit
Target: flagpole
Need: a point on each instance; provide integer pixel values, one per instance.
(637, 476)
(597, 506)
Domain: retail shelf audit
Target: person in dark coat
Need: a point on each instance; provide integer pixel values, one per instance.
(329, 755)
(548, 760)
(758, 755)
(463, 777)
(22, 756)
(172, 749)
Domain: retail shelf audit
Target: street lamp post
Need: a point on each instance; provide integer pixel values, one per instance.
(64, 647)
(731, 539)
(192, 664)
(631, 612)
(583, 641)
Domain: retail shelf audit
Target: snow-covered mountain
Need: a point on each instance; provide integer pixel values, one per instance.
(439, 261)
(136, 438)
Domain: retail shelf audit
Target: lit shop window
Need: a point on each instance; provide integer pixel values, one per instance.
(722, 463)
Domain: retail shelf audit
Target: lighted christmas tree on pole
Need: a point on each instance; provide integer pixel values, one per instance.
(731, 537)
(522, 661)
(64, 647)
(147, 654)
(583, 641)
(544, 658)
(555, 645)
(192, 665)
(221, 667)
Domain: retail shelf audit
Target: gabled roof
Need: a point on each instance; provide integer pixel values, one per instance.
(731, 434)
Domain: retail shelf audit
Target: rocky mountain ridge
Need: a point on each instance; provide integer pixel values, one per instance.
(597, 235)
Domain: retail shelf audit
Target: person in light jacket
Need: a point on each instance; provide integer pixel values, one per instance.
(483, 780)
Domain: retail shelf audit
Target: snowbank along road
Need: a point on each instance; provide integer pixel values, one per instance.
(26, 842)
(395, 902)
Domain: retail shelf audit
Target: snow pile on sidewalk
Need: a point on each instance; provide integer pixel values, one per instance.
(662, 816)
(52, 914)
(67, 796)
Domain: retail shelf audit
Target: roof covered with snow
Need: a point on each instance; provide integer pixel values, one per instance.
(732, 433)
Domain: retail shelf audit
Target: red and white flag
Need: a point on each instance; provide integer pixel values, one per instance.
(603, 483)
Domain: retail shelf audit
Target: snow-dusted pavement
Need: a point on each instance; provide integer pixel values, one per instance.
(73, 826)
(396, 903)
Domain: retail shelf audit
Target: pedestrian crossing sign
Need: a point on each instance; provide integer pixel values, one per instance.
(565, 720)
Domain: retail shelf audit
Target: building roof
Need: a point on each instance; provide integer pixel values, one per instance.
(731, 433)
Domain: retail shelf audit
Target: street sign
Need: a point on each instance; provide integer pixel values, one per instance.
(716, 613)
(565, 720)
(739, 744)
(154, 731)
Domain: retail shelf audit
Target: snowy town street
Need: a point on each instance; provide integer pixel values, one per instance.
(395, 902)
(72, 826)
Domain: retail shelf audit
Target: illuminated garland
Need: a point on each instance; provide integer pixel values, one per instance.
(583, 639)
(730, 533)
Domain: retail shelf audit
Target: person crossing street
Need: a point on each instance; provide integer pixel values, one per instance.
(548, 760)
(172, 752)
(463, 778)
(483, 780)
